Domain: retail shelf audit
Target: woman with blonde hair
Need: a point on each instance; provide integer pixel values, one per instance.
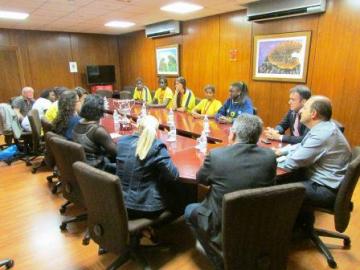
(144, 167)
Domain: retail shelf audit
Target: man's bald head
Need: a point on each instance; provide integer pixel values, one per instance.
(27, 92)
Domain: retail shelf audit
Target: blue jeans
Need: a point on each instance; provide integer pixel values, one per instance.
(190, 217)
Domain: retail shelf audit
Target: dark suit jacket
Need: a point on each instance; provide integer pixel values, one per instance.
(227, 169)
(288, 122)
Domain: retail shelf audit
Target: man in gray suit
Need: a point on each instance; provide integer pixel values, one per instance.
(241, 165)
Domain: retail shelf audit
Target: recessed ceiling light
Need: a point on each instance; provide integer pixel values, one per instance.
(119, 24)
(13, 15)
(181, 7)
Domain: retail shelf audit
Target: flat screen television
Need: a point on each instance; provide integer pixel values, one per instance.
(100, 74)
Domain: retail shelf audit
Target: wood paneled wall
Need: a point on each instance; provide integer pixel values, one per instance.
(43, 59)
(333, 69)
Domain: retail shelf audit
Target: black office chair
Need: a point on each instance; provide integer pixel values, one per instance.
(38, 144)
(104, 93)
(255, 111)
(339, 125)
(108, 223)
(67, 153)
(341, 210)
(257, 226)
(125, 94)
(8, 263)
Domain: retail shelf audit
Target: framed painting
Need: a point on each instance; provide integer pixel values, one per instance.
(167, 60)
(281, 57)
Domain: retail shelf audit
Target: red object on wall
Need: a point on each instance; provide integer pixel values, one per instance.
(108, 87)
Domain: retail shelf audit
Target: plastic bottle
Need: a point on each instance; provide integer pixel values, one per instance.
(206, 125)
(106, 104)
(170, 118)
(172, 133)
(143, 110)
(116, 118)
(202, 143)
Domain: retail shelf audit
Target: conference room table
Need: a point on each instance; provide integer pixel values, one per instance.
(185, 156)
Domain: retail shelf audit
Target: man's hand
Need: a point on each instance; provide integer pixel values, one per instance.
(272, 134)
(225, 120)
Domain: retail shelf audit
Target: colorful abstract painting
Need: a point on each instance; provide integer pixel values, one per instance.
(281, 57)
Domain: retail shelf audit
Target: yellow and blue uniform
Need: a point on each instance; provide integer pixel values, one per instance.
(161, 95)
(208, 107)
(52, 112)
(143, 95)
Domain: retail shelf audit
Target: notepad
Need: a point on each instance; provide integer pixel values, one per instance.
(115, 135)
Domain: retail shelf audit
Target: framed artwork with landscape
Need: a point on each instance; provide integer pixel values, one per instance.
(281, 57)
(167, 60)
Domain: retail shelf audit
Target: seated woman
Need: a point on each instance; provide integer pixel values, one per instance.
(163, 95)
(184, 99)
(144, 167)
(141, 92)
(52, 111)
(209, 106)
(67, 117)
(238, 103)
(99, 148)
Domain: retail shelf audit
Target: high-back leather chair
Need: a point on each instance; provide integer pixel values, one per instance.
(341, 211)
(108, 223)
(257, 226)
(66, 153)
(50, 160)
(125, 94)
(38, 145)
(339, 125)
(104, 93)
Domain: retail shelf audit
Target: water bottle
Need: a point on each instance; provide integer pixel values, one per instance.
(116, 119)
(170, 118)
(206, 125)
(143, 110)
(202, 143)
(106, 104)
(172, 133)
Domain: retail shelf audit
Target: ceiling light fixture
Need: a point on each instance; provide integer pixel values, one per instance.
(181, 7)
(13, 15)
(119, 24)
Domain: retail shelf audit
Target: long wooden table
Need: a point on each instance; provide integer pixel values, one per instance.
(183, 152)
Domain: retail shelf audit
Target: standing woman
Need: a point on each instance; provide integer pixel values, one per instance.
(144, 166)
(238, 103)
(67, 117)
(184, 98)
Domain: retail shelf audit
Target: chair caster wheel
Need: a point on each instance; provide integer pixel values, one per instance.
(102, 251)
(62, 210)
(33, 171)
(49, 179)
(85, 241)
(63, 226)
(332, 264)
(347, 243)
(28, 163)
(54, 190)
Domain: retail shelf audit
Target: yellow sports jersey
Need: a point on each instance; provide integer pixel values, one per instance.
(187, 100)
(161, 95)
(208, 107)
(52, 112)
(143, 95)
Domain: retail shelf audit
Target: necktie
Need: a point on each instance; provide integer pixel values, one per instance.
(296, 126)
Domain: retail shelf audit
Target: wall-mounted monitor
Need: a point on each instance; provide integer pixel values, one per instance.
(100, 74)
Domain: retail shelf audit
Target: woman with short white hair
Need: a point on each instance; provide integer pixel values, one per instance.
(144, 166)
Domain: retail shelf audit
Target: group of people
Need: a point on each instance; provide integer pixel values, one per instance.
(144, 165)
(184, 100)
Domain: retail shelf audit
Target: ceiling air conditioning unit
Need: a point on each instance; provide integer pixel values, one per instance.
(275, 9)
(161, 29)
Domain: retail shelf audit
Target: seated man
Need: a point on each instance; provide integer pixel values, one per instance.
(209, 106)
(325, 154)
(141, 92)
(23, 104)
(241, 165)
(238, 102)
(42, 104)
(163, 95)
(298, 96)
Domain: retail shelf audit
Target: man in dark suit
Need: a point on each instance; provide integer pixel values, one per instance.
(241, 165)
(299, 94)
